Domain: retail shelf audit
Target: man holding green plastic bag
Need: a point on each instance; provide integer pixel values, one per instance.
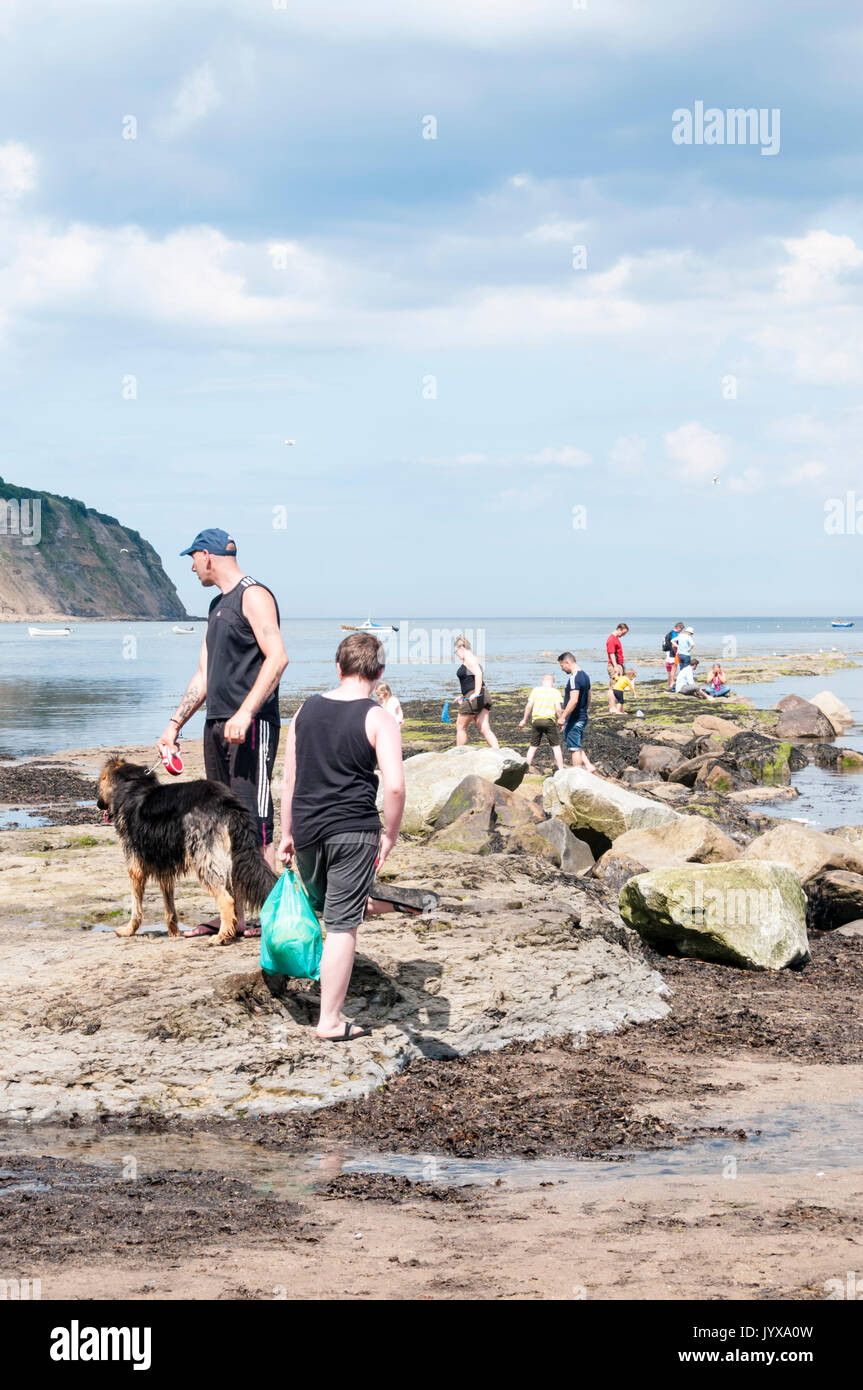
(331, 825)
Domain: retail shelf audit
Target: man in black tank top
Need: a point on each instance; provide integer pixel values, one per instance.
(241, 662)
(330, 820)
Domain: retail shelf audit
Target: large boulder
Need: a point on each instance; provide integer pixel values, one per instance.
(769, 760)
(719, 777)
(712, 724)
(431, 778)
(686, 772)
(582, 799)
(654, 758)
(834, 756)
(750, 914)
(476, 808)
(687, 840)
(839, 714)
(799, 718)
(808, 852)
(835, 897)
(473, 794)
(572, 855)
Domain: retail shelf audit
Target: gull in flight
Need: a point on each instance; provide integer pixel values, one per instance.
(716, 481)
(289, 441)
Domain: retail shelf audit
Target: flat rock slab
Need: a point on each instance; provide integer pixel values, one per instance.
(93, 1025)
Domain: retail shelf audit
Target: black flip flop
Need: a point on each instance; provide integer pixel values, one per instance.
(407, 899)
(347, 1035)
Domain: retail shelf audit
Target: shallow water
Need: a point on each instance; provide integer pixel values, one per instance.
(117, 683)
(21, 820)
(806, 1139)
(827, 799)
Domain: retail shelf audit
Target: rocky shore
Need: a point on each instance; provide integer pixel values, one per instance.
(559, 1003)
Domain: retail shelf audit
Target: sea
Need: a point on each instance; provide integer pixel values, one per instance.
(110, 684)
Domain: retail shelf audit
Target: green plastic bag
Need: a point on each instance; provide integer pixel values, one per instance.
(291, 940)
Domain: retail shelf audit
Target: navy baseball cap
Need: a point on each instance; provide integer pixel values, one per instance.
(213, 539)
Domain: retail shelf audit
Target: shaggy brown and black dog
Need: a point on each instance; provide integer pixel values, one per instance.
(167, 830)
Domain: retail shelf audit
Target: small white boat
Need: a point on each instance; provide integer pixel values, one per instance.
(183, 630)
(50, 631)
(368, 626)
(838, 624)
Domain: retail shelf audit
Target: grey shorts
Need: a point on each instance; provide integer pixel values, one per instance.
(338, 874)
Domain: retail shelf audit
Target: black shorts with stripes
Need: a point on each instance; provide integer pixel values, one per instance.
(247, 768)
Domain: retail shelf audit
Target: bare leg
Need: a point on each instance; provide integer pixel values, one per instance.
(483, 723)
(558, 758)
(337, 963)
(529, 756)
(138, 879)
(461, 727)
(167, 886)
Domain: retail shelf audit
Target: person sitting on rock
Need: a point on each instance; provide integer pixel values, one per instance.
(544, 703)
(625, 681)
(716, 682)
(685, 683)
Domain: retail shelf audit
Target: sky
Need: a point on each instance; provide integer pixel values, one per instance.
(538, 354)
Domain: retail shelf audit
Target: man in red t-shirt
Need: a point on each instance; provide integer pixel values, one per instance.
(615, 651)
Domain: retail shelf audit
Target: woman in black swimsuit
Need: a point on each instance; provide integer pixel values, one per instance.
(475, 703)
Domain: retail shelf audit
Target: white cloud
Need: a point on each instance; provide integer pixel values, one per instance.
(567, 457)
(17, 170)
(696, 452)
(515, 499)
(750, 480)
(557, 231)
(628, 454)
(197, 97)
(817, 261)
(809, 472)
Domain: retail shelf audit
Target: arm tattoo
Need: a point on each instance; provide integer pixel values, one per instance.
(189, 702)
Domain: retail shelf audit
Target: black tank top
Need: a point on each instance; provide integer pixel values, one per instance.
(335, 785)
(467, 681)
(234, 659)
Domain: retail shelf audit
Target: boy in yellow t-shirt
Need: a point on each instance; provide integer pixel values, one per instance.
(544, 703)
(625, 681)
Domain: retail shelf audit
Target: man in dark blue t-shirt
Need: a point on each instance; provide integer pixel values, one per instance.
(573, 716)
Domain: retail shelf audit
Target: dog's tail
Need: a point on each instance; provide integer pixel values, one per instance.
(252, 876)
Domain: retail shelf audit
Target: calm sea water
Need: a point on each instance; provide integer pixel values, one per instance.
(117, 683)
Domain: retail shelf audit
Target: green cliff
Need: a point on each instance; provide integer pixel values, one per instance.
(62, 559)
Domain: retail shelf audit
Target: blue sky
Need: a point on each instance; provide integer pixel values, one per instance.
(279, 253)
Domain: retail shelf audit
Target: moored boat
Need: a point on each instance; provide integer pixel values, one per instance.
(50, 631)
(369, 626)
